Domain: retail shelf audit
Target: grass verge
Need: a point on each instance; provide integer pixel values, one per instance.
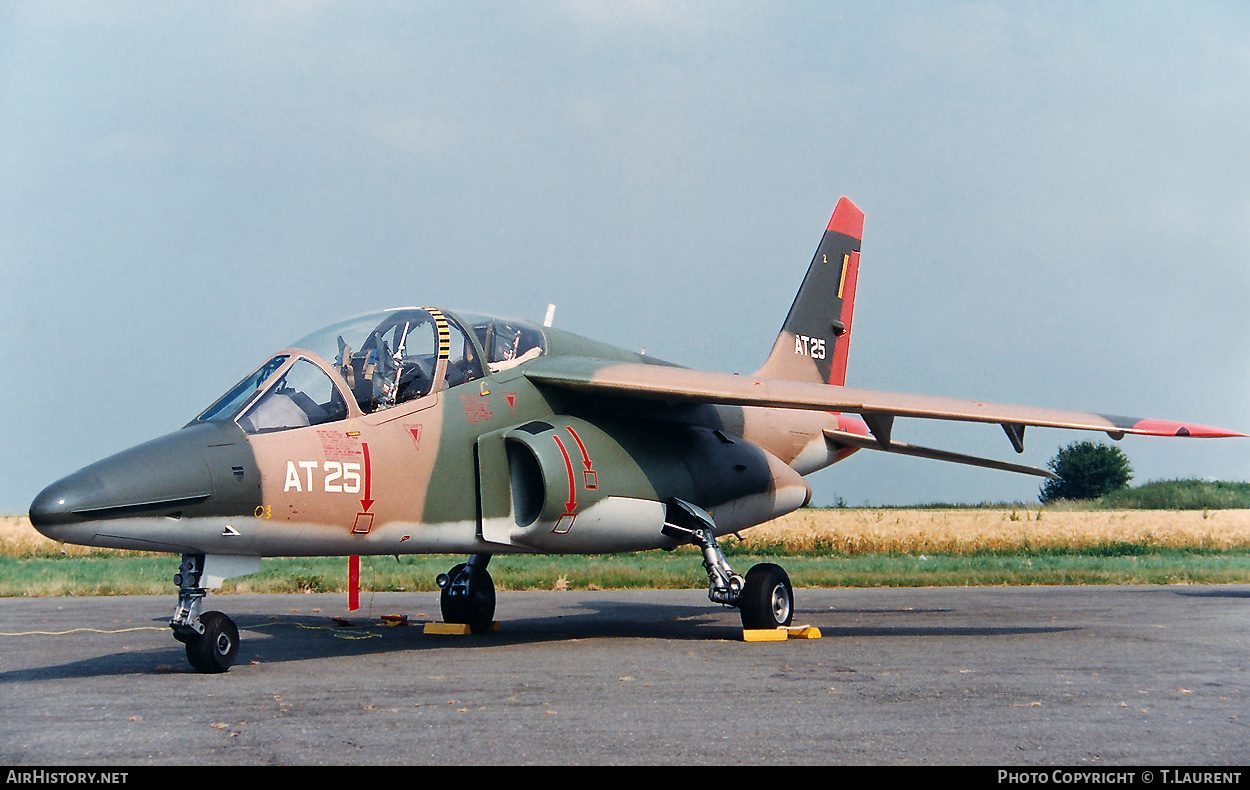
(1110, 564)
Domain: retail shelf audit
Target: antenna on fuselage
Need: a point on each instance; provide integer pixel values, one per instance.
(551, 313)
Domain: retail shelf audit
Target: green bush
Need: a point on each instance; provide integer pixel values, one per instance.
(1086, 471)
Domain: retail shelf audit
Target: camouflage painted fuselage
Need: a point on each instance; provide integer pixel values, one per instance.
(495, 464)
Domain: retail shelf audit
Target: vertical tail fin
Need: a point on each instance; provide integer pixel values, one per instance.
(815, 339)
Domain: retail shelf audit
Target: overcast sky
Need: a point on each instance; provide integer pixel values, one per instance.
(1057, 199)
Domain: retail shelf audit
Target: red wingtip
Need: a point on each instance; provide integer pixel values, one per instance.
(848, 219)
(1169, 428)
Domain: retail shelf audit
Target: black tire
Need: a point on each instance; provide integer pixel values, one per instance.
(767, 598)
(214, 650)
(477, 609)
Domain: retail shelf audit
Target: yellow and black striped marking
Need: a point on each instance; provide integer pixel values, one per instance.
(444, 333)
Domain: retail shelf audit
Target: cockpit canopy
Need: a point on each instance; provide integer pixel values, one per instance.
(380, 360)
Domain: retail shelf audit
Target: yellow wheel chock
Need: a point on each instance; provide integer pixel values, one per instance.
(780, 634)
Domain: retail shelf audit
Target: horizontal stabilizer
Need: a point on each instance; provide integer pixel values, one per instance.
(869, 443)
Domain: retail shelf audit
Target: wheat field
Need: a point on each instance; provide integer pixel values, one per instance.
(855, 531)
(866, 531)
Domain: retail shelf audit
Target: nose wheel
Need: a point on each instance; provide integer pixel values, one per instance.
(211, 638)
(214, 650)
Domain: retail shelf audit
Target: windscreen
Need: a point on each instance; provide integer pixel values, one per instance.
(303, 396)
(228, 404)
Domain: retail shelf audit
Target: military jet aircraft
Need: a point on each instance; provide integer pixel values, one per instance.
(421, 430)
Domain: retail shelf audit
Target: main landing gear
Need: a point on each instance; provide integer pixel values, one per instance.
(765, 597)
(468, 596)
(212, 639)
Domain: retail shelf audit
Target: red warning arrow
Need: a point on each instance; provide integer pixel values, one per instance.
(590, 478)
(366, 503)
(571, 505)
(585, 456)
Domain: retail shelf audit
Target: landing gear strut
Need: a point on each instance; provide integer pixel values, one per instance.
(212, 639)
(468, 595)
(765, 597)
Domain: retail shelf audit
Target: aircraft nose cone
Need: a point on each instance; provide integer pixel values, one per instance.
(52, 506)
(157, 478)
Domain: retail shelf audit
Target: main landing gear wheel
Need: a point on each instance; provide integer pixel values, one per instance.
(765, 597)
(215, 649)
(767, 600)
(468, 597)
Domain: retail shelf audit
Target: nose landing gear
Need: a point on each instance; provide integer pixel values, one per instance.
(212, 639)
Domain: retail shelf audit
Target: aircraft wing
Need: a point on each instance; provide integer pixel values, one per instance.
(878, 408)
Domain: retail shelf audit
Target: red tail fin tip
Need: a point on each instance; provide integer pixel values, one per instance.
(848, 219)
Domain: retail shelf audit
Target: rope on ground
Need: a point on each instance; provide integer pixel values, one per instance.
(76, 630)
